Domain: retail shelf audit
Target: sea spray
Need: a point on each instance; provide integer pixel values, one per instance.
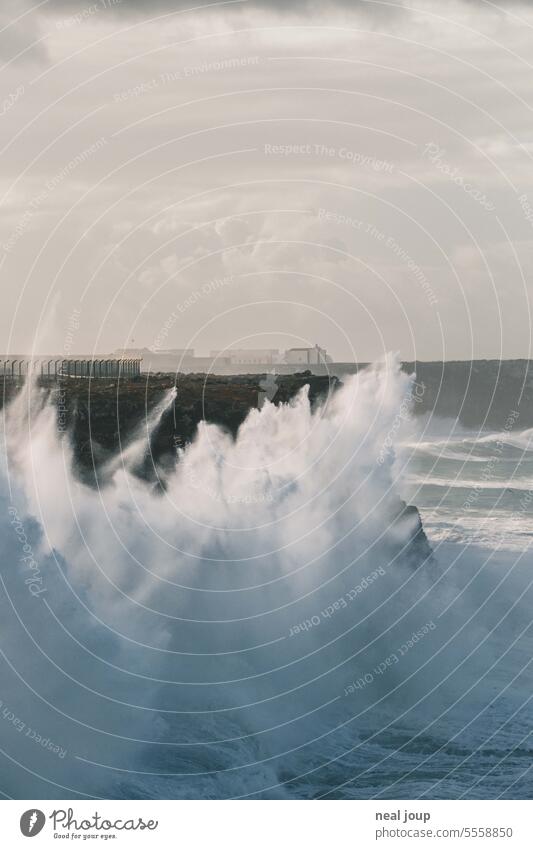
(160, 657)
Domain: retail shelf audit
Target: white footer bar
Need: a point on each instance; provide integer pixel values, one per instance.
(268, 824)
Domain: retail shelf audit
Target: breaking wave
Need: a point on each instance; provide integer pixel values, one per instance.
(267, 620)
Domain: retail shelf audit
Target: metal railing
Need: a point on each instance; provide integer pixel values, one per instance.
(56, 369)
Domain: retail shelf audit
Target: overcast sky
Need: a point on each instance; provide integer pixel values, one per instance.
(267, 174)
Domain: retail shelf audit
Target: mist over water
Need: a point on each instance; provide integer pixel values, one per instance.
(259, 621)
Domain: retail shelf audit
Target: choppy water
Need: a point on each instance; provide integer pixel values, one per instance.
(261, 629)
(474, 488)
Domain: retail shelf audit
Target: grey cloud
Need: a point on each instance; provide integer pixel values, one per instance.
(20, 34)
(369, 10)
(169, 5)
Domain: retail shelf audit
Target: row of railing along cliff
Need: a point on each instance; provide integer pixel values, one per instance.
(17, 368)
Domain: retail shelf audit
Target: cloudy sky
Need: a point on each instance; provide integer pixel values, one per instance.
(267, 174)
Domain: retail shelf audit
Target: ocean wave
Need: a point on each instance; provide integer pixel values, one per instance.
(263, 623)
(499, 485)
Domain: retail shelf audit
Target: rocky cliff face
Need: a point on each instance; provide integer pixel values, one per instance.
(418, 550)
(480, 393)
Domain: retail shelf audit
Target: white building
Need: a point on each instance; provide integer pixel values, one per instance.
(248, 356)
(147, 352)
(307, 356)
(177, 352)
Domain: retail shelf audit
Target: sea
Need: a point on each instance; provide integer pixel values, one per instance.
(264, 623)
